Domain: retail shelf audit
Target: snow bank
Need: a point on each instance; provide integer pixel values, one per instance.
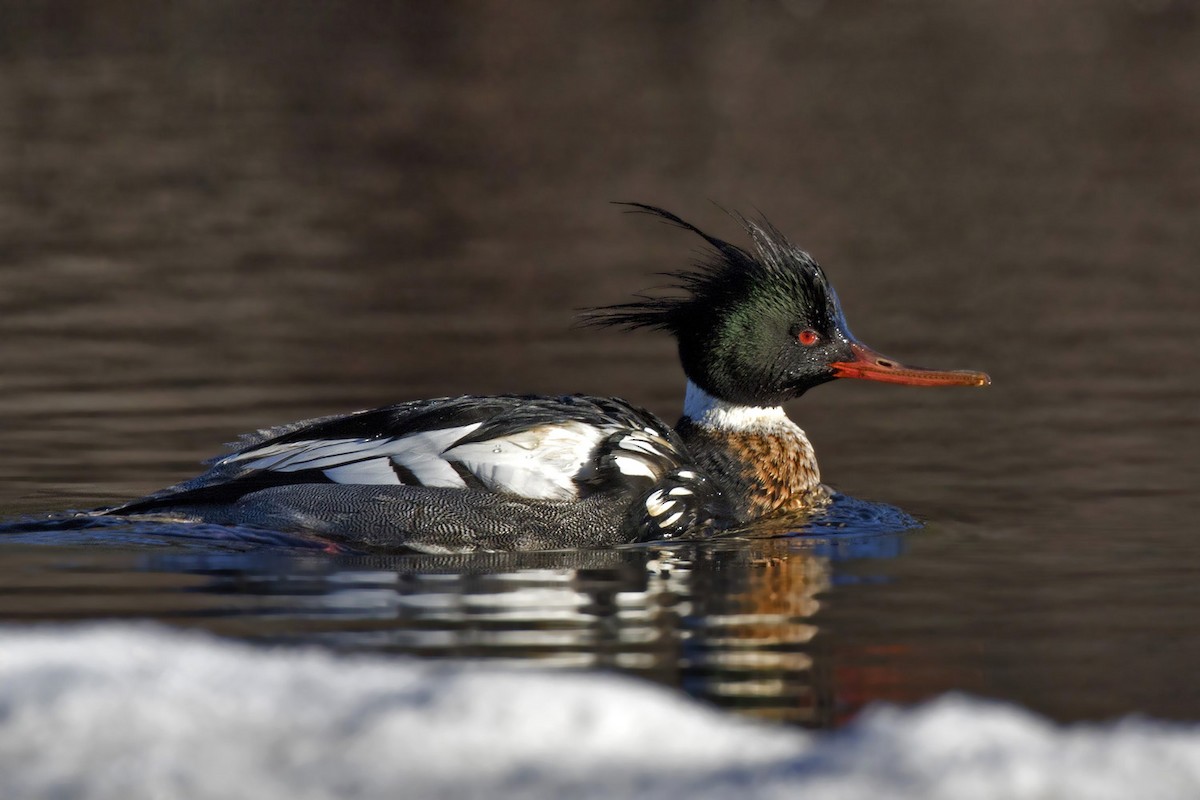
(143, 712)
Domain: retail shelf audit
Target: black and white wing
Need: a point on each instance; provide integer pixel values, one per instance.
(535, 448)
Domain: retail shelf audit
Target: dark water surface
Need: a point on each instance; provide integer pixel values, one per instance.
(216, 217)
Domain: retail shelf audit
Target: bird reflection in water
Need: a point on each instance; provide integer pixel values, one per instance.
(737, 623)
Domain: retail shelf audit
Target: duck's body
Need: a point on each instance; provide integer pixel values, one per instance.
(519, 472)
(461, 473)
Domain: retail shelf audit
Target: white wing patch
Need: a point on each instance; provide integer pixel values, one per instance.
(646, 451)
(424, 455)
(539, 463)
(314, 455)
(633, 466)
(364, 461)
(659, 504)
(374, 471)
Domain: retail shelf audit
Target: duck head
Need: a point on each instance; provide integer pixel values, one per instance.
(759, 328)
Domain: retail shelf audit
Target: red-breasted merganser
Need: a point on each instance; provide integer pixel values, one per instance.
(754, 329)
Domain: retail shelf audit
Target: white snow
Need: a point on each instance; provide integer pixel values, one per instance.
(129, 712)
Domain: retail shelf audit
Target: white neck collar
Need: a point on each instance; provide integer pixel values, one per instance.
(708, 412)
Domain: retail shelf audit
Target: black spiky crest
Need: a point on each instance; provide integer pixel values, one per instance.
(738, 314)
(726, 279)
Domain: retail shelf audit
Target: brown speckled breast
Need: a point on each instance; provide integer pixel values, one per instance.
(784, 469)
(771, 472)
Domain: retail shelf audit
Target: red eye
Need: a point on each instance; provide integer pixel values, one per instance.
(807, 337)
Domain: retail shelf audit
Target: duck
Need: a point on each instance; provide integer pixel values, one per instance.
(755, 327)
